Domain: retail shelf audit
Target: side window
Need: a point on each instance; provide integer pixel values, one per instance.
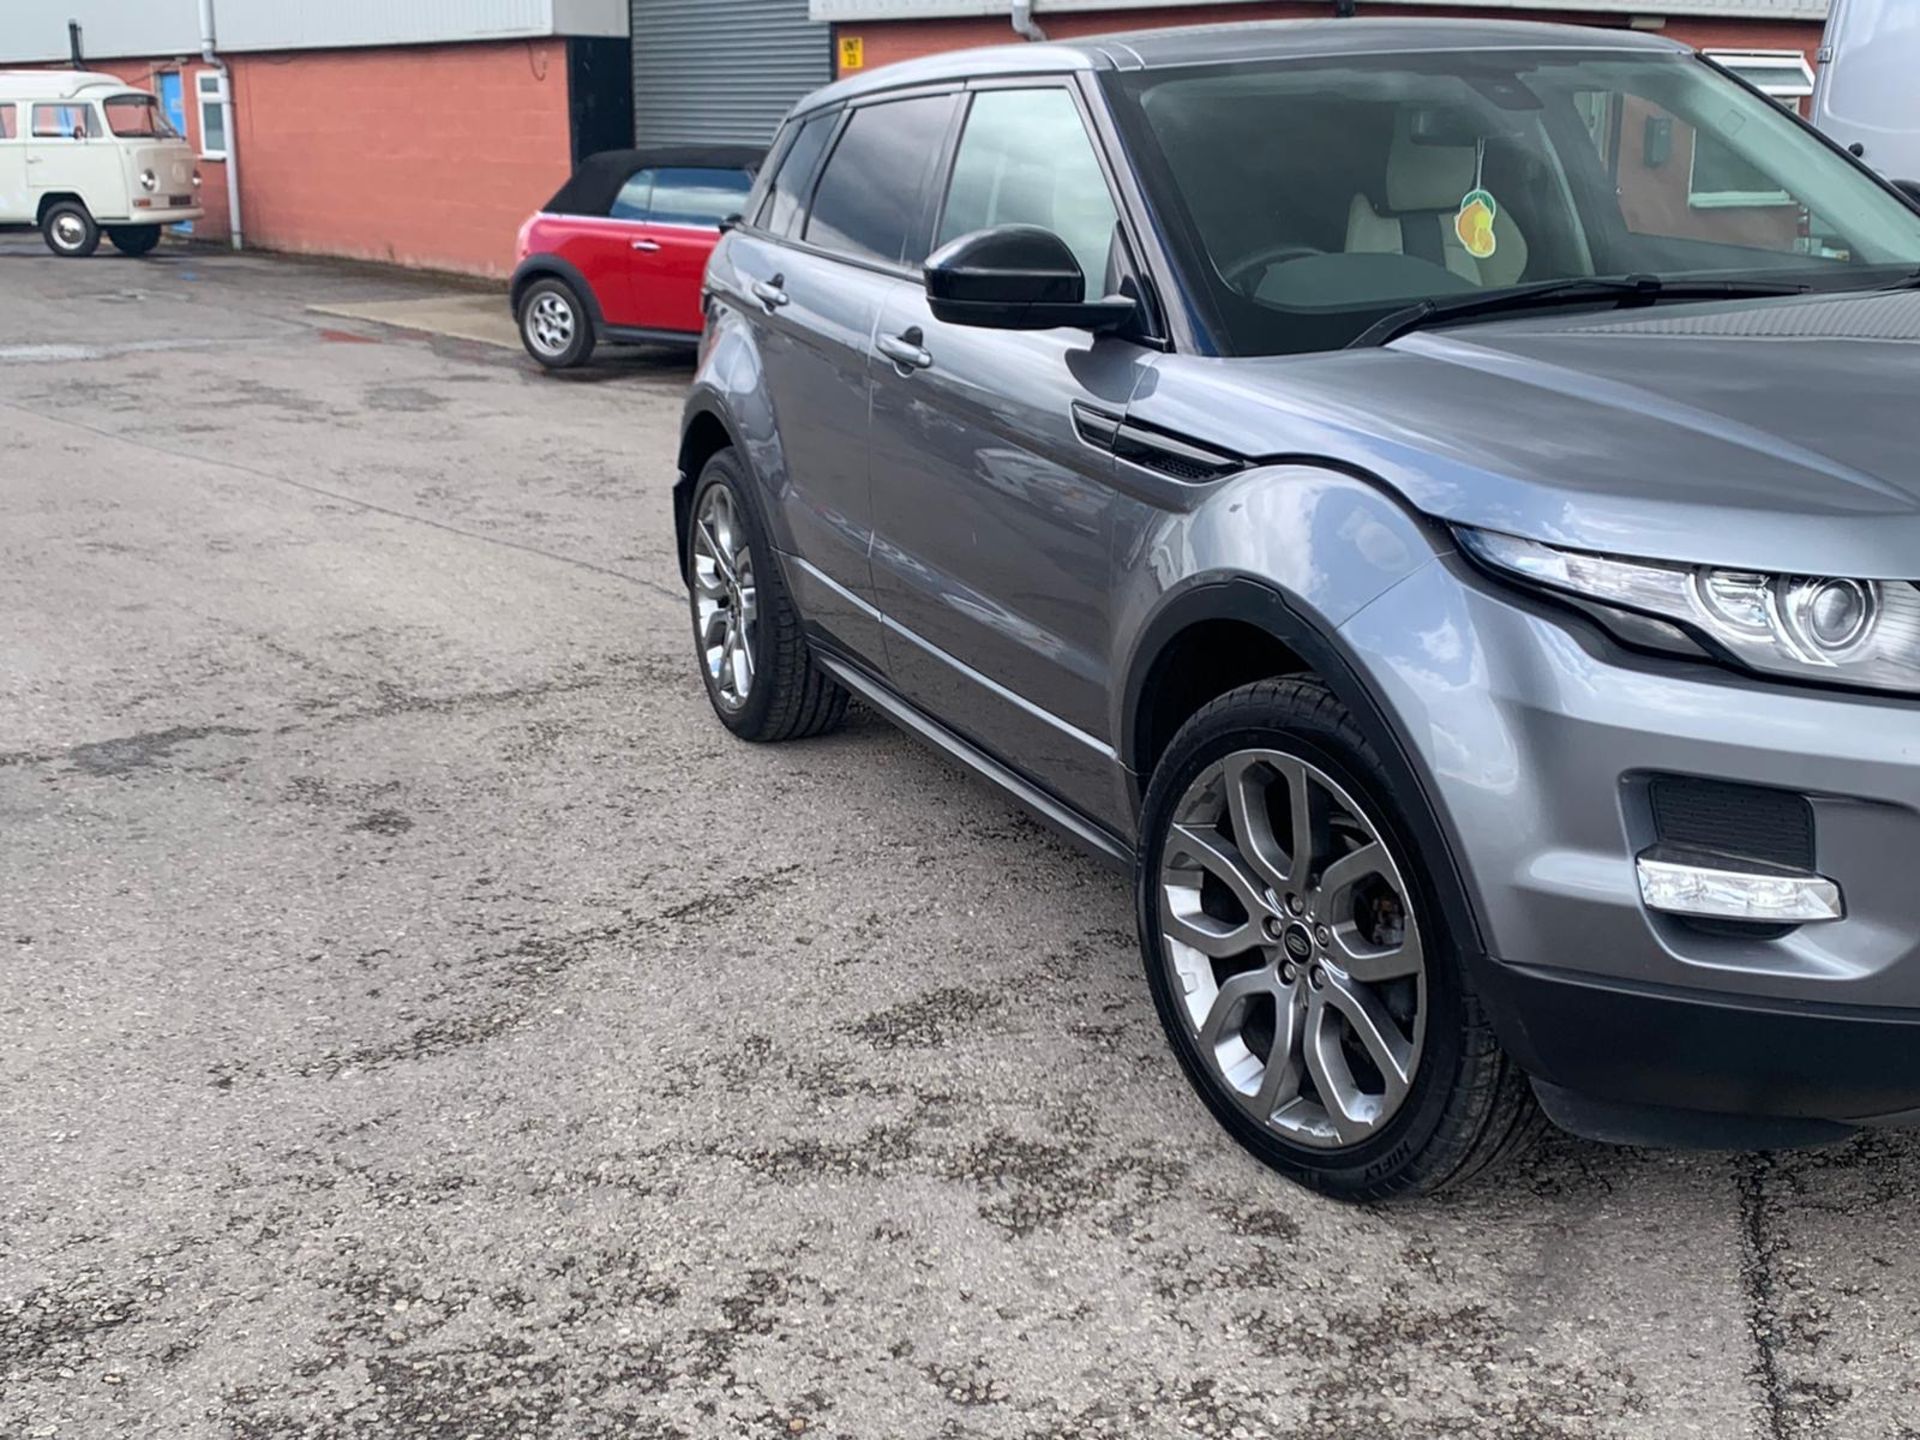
(1025, 159)
(685, 196)
(8, 130)
(65, 122)
(788, 198)
(635, 197)
(872, 196)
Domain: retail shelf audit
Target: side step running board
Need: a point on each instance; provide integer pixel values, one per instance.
(1084, 833)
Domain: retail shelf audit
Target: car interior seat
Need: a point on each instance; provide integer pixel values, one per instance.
(1425, 183)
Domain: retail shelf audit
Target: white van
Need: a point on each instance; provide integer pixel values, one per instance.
(1867, 94)
(83, 154)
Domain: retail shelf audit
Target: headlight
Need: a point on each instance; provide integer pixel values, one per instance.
(149, 181)
(1806, 627)
(196, 179)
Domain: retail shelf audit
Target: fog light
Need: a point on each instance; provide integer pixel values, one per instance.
(1717, 887)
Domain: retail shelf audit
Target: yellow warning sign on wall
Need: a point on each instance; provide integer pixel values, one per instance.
(853, 52)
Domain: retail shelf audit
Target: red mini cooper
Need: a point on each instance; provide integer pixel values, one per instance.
(618, 255)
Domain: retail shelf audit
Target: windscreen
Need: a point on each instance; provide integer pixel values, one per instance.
(138, 117)
(1307, 199)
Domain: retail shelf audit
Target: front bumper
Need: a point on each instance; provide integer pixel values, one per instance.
(1538, 736)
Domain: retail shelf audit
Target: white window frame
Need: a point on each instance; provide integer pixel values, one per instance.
(1782, 75)
(207, 95)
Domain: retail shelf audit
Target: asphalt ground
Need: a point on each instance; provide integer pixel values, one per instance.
(419, 1018)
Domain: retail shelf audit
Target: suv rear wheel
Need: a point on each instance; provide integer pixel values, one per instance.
(69, 230)
(758, 670)
(1300, 966)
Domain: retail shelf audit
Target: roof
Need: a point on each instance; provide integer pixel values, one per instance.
(594, 184)
(1254, 40)
(59, 84)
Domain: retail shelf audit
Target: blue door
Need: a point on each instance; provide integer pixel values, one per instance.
(173, 104)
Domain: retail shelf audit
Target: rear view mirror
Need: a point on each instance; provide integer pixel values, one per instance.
(1016, 277)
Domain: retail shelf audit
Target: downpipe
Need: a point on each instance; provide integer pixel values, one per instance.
(1024, 25)
(213, 61)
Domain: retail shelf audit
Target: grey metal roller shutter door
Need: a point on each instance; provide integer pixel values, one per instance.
(722, 70)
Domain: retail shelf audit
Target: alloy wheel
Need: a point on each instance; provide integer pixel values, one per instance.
(726, 605)
(550, 324)
(1290, 938)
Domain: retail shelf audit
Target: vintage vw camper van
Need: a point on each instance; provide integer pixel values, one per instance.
(84, 155)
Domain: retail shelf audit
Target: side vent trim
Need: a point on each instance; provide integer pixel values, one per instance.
(1164, 454)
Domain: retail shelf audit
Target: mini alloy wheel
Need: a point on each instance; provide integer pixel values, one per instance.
(1291, 941)
(726, 600)
(551, 324)
(555, 325)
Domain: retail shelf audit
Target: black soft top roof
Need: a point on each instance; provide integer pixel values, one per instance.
(591, 189)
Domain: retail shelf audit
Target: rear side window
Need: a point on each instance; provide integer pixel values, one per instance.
(687, 196)
(788, 198)
(8, 131)
(634, 198)
(65, 122)
(872, 197)
(1025, 159)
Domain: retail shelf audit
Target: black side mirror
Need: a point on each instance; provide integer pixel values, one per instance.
(1910, 189)
(1016, 277)
(732, 222)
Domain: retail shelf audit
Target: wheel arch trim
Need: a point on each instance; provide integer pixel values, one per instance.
(1249, 601)
(541, 267)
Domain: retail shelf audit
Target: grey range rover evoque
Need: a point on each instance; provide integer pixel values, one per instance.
(1439, 501)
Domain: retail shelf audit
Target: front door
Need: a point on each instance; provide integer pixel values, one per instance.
(992, 517)
(68, 149)
(15, 206)
(671, 251)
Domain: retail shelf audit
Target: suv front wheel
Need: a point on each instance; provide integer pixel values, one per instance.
(1302, 971)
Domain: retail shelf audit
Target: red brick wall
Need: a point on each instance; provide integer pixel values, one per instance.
(426, 156)
(888, 41)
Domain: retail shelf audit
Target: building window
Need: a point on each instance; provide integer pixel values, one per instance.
(1722, 179)
(213, 118)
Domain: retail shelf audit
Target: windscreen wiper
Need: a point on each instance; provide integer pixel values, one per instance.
(1582, 290)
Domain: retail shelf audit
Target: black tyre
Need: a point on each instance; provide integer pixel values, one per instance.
(1301, 966)
(69, 230)
(134, 239)
(555, 324)
(758, 670)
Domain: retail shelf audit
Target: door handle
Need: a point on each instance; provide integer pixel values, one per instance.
(769, 292)
(906, 351)
(647, 245)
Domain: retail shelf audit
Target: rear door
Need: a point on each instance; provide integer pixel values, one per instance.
(670, 251)
(813, 270)
(993, 517)
(15, 206)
